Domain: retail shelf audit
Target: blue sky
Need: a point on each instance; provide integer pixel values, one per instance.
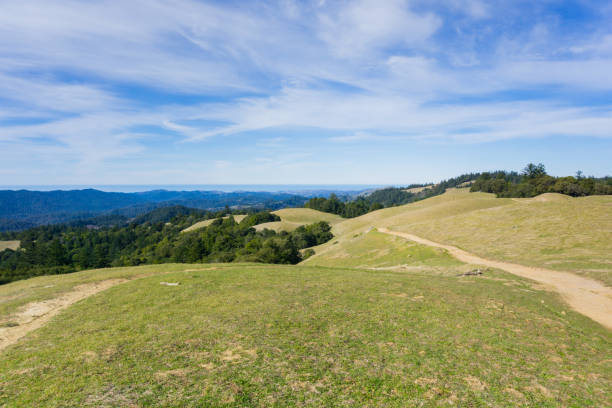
(301, 92)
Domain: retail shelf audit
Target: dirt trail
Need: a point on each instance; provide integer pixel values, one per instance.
(37, 314)
(586, 296)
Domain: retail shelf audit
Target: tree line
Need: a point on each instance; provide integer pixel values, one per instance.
(534, 180)
(154, 239)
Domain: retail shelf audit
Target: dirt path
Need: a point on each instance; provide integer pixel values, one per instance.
(586, 296)
(37, 314)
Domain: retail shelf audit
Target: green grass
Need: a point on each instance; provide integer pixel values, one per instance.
(19, 293)
(374, 249)
(9, 245)
(259, 335)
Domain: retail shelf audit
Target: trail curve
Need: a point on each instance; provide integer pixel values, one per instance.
(586, 296)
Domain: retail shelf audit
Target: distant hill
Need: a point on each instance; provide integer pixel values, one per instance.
(24, 209)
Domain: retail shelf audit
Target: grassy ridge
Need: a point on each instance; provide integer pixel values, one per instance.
(551, 230)
(206, 223)
(292, 218)
(253, 335)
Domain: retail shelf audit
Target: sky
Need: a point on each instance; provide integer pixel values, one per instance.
(301, 92)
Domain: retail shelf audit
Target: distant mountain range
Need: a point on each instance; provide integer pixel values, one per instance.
(22, 209)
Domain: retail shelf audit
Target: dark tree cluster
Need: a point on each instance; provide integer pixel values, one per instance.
(349, 209)
(534, 181)
(155, 238)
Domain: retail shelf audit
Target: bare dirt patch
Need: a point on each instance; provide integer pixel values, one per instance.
(36, 314)
(584, 295)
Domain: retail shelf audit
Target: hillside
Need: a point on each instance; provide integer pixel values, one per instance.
(551, 231)
(372, 319)
(292, 218)
(201, 224)
(224, 337)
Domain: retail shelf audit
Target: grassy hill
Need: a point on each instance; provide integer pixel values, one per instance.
(259, 335)
(206, 223)
(9, 245)
(370, 320)
(551, 230)
(292, 218)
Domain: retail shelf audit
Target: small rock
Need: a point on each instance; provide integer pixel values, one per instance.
(474, 272)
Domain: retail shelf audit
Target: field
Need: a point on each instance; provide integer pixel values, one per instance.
(292, 218)
(9, 245)
(335, 337)
(206, 223)
(550, 231)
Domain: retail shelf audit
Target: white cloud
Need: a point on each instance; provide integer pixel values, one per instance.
(362, 27)
(360, 69)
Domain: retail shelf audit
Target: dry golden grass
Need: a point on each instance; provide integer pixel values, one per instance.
(416, 189)
(292, 218)
(9, 245)
(551, 231)
(206, 223)
(307, 216)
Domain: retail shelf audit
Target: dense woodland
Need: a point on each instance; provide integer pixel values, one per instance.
(534, 181)
(155, 238)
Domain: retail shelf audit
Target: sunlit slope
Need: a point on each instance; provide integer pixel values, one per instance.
(269, 335)
(292, 218)
(375, 250)
(206, 223)
(552, 231)
(9, 245)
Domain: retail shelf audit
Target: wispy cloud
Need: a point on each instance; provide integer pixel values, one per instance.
(95, 82)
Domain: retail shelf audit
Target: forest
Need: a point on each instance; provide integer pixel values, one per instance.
(534, 180)
(155, 238)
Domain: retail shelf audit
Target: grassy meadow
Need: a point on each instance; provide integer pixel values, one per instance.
(259, 335)
(292, 218)
(201, 224)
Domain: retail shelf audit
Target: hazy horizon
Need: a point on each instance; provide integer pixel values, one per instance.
(134, 188)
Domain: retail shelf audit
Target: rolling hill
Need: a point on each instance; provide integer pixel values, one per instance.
(206, 223)
(550, 231)
(372, 319)
(221, 335)
(292, 218)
